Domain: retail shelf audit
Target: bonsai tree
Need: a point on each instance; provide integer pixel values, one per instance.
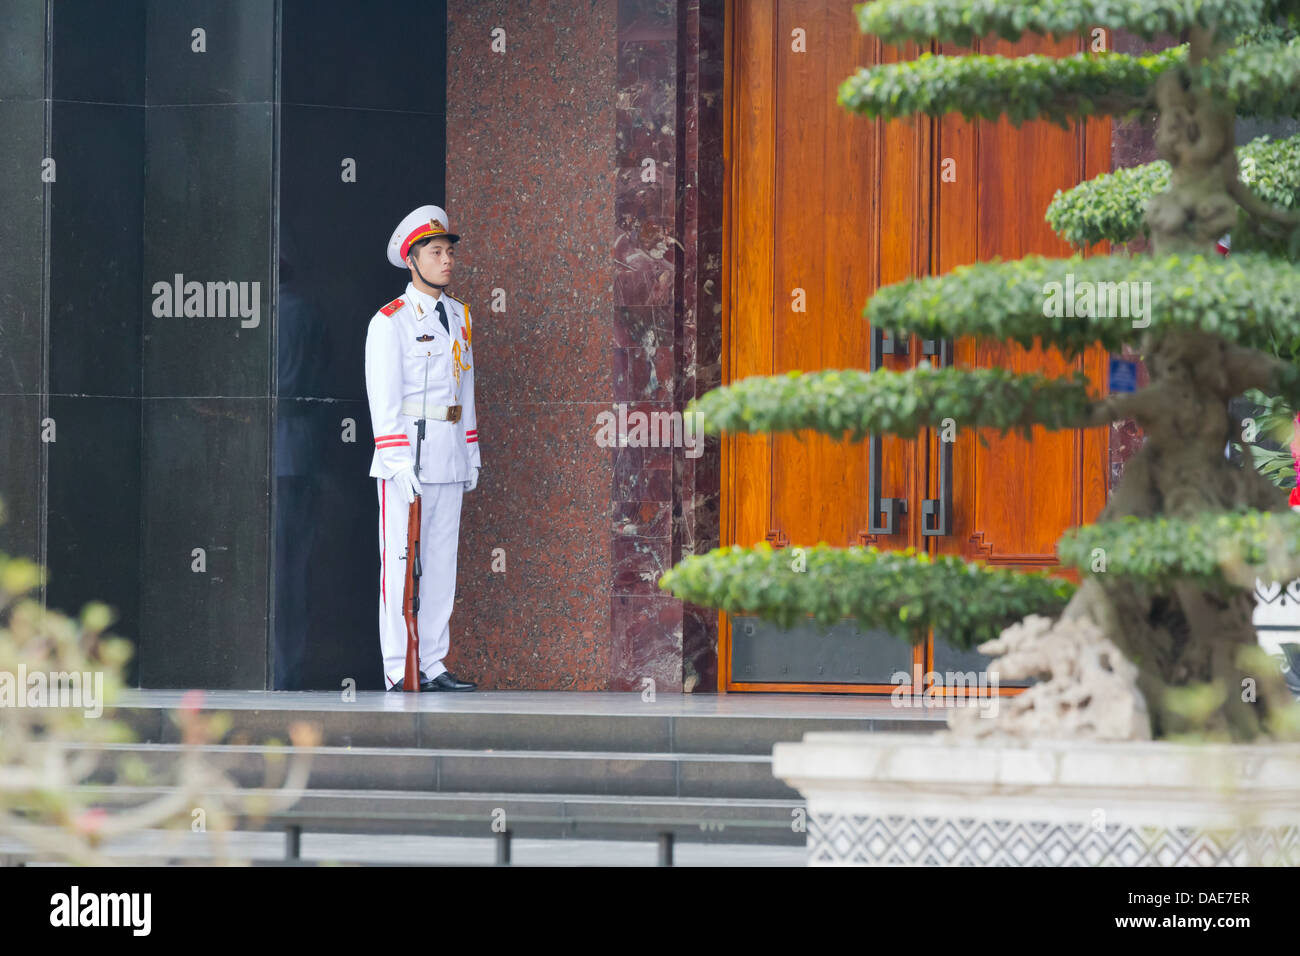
(1168, 569)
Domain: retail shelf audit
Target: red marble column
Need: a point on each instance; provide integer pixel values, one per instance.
(592, 283)
(667, 336)
(699, 338)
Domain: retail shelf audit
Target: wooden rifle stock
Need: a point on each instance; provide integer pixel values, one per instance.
(411, 592)
(411, 597)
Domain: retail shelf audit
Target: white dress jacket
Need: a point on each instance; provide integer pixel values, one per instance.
(404, 343)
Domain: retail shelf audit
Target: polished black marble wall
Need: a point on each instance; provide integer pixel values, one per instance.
(208, 212)
(208, 472)
(94, 332)
(362, 143)
(23, 101)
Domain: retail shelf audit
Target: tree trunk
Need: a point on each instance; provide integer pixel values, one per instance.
(1185, 635)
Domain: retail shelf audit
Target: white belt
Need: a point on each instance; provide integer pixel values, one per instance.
(442, 413)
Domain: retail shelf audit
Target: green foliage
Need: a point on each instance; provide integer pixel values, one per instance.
(1275, 423)
(1111, 206)
(1277, 466)
(1280, 32)
(961, 21)
(853, 403)
(1108, 207)
(1248, 299)
(902, 592)
(1022, 88)
(1219, 552)
(1260, 80)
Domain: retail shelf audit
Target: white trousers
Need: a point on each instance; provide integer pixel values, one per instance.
(439, 537)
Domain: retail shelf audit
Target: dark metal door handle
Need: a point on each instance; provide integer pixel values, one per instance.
(936, 513)
(943, 347)
(882, 343)
(891, 508)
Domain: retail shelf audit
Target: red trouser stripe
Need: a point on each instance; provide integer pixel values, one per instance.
(383, 523)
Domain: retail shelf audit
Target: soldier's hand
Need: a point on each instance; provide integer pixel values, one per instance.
(407, 484)
(472, 482)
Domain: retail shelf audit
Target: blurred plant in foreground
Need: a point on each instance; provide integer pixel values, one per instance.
(59, 677)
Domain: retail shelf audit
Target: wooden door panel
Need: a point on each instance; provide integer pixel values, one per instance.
(1014, 498)
(835, 205)
(826, 196)
(1018, 496)
(750, 157)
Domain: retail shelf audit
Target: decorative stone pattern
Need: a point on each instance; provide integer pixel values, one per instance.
(1277, 615)
(858, 839)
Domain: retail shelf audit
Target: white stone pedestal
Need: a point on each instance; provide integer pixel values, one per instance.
(915, 799)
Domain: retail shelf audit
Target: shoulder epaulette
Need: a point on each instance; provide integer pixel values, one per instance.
(392, 307)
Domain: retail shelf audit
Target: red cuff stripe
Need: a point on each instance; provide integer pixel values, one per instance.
(395, 444)
(468, 440)
(394, 435)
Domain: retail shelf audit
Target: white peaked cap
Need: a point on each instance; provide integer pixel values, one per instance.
(423, 223)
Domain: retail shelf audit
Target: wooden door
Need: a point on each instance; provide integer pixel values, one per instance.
(822, 208)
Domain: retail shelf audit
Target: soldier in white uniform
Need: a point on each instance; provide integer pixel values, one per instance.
(423, 336)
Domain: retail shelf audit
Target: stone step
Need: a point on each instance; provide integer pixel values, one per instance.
(544, 816)
(448, 770)
(507, 730)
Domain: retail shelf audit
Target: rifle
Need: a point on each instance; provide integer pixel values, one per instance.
(411, 592)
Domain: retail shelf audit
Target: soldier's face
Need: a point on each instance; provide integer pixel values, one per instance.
(435, 259)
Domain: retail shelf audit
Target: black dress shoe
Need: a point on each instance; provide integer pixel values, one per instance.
(447, 681)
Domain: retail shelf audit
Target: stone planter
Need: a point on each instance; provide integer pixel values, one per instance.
(936, 800)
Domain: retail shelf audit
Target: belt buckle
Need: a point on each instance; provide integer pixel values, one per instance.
(453, 413)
